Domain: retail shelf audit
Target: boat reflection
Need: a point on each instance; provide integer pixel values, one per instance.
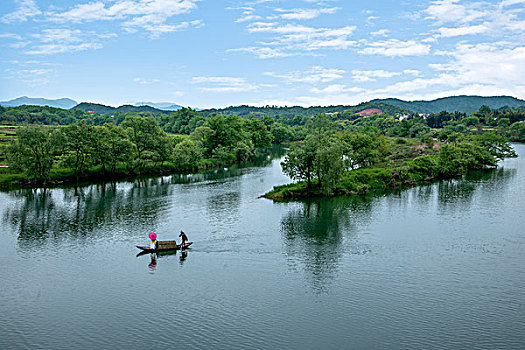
(154, 257)
(153, 263)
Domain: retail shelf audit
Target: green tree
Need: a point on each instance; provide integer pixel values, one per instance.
(497, 145)
(360, 149)
(281, 133)
(111, 146)
(259, 134)
(243, 150)
(144, 133)
(227, 132)
(163, 149)
(517, 131)
(503, 122)
(298, 163)
(78, 146)
(186, 154)
(202, 136)
(34, 152)
(449, 162)
(329, 162)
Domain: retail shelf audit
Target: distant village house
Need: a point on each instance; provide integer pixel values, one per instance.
(369, 112)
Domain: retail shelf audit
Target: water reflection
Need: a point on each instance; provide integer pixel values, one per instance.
(182, 257)
(316, 231)
(80, 212)
(155, 257)
(153, 263)
(464, 192)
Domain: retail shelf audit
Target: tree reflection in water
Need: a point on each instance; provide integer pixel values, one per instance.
(71, 213)
(318, 232)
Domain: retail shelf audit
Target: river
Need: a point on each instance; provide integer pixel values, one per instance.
(440, 266)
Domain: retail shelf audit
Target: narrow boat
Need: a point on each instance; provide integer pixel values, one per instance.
(164, 246)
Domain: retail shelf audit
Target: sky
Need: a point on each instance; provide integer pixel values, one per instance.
(212, 53)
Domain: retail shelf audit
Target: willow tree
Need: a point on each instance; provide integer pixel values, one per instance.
(145, 135)
(34, 151)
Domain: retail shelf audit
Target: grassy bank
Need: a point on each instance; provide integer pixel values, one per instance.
(357, 182)
(403, 169)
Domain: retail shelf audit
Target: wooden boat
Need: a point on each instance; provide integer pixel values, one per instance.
(164, 246)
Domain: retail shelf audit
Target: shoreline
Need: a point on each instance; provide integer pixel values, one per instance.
(298, 190)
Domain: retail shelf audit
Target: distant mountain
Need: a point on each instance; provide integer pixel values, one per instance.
(164, 106)
(65, 103)
(464, 104)
(103, 109)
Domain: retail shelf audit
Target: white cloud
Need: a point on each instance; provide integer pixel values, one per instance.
(143, 81)
(497, 17)
(317, 74)
(394, 47)
(495, 68)
(156, 30)
(26, 9)
(470, 30)
(52, 49)
(381, 32)
(499, 64)
(444, 11)
(224, 84)
(414, 72)
(372, 75)
(19, 44)
(511, 2)
(247, 18)
(10, 36)
(31, 77)
(487, 69)
(298, 39)
(150, 15)
(302, 14)
(336, 89)
(53, 41)
(262, 52)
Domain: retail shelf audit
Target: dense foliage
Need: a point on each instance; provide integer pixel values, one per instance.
(335, 160)
(120, 143)
(138, 145)
(464, 104)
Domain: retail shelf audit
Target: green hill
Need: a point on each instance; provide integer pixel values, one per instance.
(103, 109)
(464, 104)
(292, 111)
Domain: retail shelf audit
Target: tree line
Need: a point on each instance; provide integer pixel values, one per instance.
(138, 145)
(288, 123)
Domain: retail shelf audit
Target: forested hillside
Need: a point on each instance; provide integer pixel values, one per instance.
(103, 109)
(293, 111)
(463, 104)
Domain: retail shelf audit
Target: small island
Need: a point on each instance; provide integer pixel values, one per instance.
(331, 162)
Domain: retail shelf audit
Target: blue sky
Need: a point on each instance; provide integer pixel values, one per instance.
(212, 53)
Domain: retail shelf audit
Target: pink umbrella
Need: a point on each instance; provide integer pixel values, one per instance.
(152, 236)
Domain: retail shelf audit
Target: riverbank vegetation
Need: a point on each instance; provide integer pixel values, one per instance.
(334, 162)
(44, 155)
(342, 152)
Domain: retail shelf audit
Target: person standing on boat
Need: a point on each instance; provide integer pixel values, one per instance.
(153, 240)
(183, 237)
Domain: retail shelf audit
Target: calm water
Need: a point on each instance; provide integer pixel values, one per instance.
(433, 267)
